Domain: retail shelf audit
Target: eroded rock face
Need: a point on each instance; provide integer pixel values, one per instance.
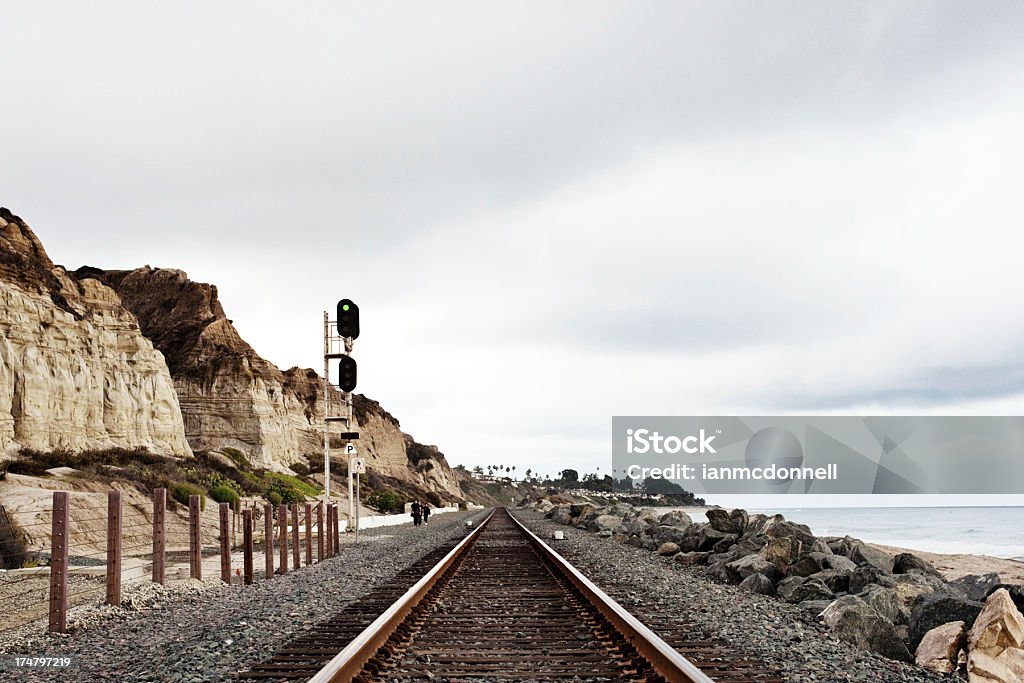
(232, 397)
(76, 372)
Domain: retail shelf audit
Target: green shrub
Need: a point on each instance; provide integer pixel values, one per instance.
(237, 456)
(292, 489)
(386, 501)
(181, 490)
(316, 462)
(299, 469)
(226, 494)
(274, 498)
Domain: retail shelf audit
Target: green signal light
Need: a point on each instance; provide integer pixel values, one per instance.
(345, 307)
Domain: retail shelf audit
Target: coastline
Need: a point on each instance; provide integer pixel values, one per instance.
(954, 566)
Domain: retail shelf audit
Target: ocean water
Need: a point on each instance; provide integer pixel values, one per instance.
(992, 531)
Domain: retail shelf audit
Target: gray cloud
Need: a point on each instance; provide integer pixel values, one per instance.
(552, 214)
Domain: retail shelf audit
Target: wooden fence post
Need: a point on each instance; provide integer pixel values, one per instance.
(282, 523)
(247, 544)
(59, 562)
(159, 537)
(320, 531)
(337, 530)
(195, 558)
(309, 534)
(268, 532)
(225, 543)
(329, 528)
(329, 537)
(113, 547)
(296, 551)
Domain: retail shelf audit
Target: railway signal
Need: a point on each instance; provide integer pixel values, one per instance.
(347, 373)
(348, 319)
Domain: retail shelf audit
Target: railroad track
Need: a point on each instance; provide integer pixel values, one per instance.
(500, 606)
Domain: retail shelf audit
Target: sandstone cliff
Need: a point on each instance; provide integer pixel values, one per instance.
(232, 397)
(75, 370)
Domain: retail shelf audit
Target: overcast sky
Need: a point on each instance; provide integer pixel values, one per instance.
(551, 213)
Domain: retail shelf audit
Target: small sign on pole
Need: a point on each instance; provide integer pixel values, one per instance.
(359, 465)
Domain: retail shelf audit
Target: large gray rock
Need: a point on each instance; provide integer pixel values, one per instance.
(562, 515)
(755, 523)
(862, 554)
(887, 602)
(692, 558)
(837, 580)
(667, 549)
(782, 552)
(785, 588)
(663, 533)
(940, 648)
(808, 563)
(717, 570)
(866, 574)
(910, 587)
(853, 621)
(734, 522)
(751, 564)
(623, 510)
(840, 562)
(605, 523)
(676, 518)
(710, 538)
(757, 583)
(938, 609)
(797, 532)
(811, 589)
(975, 587)
(908, 563)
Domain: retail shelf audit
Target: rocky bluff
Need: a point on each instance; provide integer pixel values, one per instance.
(147, 357)
(75, 370)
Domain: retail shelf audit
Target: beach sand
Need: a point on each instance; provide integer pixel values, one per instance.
(955, 566)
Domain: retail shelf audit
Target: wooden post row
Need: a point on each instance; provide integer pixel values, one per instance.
(195, 559)
(309, 534)
(225, 543)
(59, 562)
(268, 532)
(247, 545)
(282, 523)
(159, 538)
(295, 536)
(114, 542)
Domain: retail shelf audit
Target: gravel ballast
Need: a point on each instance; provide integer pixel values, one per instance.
(779, 634)
(207, 631)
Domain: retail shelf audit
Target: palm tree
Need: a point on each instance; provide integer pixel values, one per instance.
(513, 472)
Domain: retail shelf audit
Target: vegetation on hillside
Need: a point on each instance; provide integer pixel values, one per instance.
(227, 472)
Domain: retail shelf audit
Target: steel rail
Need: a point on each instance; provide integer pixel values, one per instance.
(671, 665)
(664, 659)
(348, 663)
